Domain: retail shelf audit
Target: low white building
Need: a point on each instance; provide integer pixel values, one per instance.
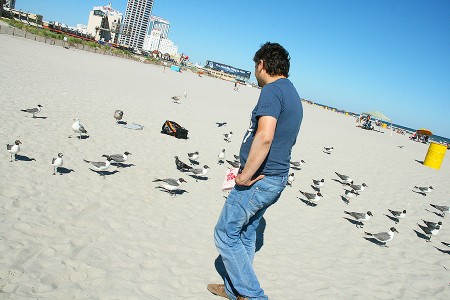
(155, 41)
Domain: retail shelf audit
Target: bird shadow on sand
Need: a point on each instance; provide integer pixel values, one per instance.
(220, 162)
(345, 200)
(62, 170)
(40, 118)
(193, 162)
(197, 178)
(83, 137)
(220, 124)
(372, 240)
(122, 123)
(338, 181)
(296, 168)
(307, 202)
(315, 188)
(329, 153)
(24, 158)
(436, 213)
(396, 220)
(354, 222)
(442, 250)
(421, 235)
(420, 193)
(105, 173)
(172, 193)
(419, 161)
(122, 165)
(218, 263)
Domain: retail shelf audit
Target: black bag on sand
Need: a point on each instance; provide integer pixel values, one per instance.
(174, 129)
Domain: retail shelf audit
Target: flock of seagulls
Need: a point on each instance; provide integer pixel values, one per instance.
(352, 190)
(58, 162)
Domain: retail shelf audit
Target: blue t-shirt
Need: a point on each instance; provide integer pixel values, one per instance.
(280, 100)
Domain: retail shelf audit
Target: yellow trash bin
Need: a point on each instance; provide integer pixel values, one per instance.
(384, 125)
(435, 155)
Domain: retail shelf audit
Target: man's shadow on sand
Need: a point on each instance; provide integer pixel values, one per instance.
(218, 263)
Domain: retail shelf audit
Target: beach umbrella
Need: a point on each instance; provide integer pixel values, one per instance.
(424, 131)
(378, 115)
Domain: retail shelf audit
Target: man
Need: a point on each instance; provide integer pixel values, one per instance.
(265, 154)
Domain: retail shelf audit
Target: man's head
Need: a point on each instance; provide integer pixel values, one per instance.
(275, 59)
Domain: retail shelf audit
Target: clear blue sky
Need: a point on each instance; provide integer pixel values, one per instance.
(357, 55)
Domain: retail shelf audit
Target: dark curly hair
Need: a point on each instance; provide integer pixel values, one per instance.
(275, 57)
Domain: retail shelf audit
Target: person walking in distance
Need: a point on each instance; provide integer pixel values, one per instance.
(264, 155)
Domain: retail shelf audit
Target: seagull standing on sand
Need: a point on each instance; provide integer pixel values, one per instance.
(344, 178)
(234, 164)
(118, 114)
(398, 214)
(328, 150)
(201, 172)
(221, 156)
(33, 111)
(383, 237)
(290, 179)
(120, 158)
(424, 189)
(359, 217)
(181, 165)
(185, 94)
(228, 136)
(176, 99)
(318, 183)
(13, 149)
(57, 162)
(357, 188)
(99, 166)
(442, 208)
(433, 225)
(312, 197)
(193, 156)
(348, 194)
(297, 164)
(169, 184)
(430, 231)
(78, 128)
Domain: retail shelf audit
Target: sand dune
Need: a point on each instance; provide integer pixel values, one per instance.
(79, 235)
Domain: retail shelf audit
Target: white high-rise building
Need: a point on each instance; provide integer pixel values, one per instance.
(136, 22)
(104, 23)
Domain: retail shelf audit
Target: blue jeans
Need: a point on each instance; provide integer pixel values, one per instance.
(235, 233)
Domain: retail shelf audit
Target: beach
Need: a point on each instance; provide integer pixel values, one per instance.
(81, 236)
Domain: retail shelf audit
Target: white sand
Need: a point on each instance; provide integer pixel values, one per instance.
(81, 236)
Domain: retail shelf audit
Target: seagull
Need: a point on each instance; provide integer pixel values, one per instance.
(357, 188)
(234, 164)
(430, 231)
(193, 156)
(199, 171)
(77, 127)
(228, 136)
(398, 214)
(432, 225)
(176, 98)
(424, 189)
(318, 183)
(120, 158)
(99, 166)
(443, 209)
(383, 237)
(236, 157)
(13, 149)
(291, 179)
(297, 164)
(185, 94)
(220, 124)
(57, 162)
(360, 217)
(33, 111)
(328, 150)
(344, 178)
(349, 194)
(118, 114)
(169, 184)
(181, 165)
(312, 196)
(221, 156)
